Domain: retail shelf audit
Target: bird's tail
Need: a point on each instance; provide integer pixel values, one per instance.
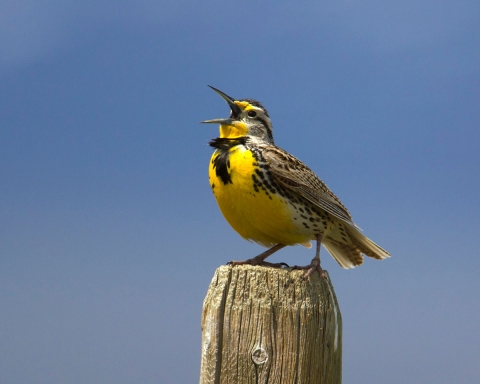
(367, 246)
(350, 255)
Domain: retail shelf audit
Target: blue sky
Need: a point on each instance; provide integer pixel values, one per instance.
(109, 234)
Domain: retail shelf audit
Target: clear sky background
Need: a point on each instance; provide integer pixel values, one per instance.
(110, 235)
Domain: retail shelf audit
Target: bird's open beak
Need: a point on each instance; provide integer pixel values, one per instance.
(234, 107)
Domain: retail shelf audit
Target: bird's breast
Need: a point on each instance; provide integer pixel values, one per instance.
(253, 204)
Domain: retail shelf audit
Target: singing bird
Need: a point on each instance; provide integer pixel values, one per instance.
(270, 197)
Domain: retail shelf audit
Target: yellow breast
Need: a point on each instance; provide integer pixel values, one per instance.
(256, 213)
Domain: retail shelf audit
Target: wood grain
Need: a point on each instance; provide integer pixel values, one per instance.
(267, 325)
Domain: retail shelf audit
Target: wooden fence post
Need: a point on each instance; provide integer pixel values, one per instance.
(266, 325)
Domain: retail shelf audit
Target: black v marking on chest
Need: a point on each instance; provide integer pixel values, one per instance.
(221, 163)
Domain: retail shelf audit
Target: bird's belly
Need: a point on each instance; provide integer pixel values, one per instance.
(254, 210)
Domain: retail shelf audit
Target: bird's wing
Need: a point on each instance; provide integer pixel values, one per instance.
(294, 175)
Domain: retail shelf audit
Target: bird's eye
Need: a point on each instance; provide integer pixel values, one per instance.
(252, 113)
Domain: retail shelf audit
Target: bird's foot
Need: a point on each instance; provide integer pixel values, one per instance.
(262, 263)
(312, 267)
(260, 259)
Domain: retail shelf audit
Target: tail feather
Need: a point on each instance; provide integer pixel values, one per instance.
(365, 245)
(347, 250)
(348, 256)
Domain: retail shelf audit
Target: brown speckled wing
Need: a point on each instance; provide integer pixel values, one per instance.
(297, 177)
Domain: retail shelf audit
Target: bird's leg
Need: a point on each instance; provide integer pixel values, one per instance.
(315, 264)
(260, 259)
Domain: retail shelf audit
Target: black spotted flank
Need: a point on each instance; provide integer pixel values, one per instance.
(262, 183)
(260, 173)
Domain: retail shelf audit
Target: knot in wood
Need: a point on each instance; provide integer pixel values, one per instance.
(259, 356)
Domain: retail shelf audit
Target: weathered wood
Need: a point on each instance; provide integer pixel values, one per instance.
(266, 325)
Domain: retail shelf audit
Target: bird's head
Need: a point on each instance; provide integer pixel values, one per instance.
(247, 118)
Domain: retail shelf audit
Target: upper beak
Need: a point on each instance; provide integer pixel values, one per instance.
(231, 102)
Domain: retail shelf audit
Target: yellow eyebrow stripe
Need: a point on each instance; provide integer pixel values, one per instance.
(245, 105)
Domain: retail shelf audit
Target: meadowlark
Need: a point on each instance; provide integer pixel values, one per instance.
(270, 197)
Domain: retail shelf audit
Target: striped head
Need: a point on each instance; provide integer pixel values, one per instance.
(247, 118)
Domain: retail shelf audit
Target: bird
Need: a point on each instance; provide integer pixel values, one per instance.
(272, 198)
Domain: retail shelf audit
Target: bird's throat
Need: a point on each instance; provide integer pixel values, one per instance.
(237, 129)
